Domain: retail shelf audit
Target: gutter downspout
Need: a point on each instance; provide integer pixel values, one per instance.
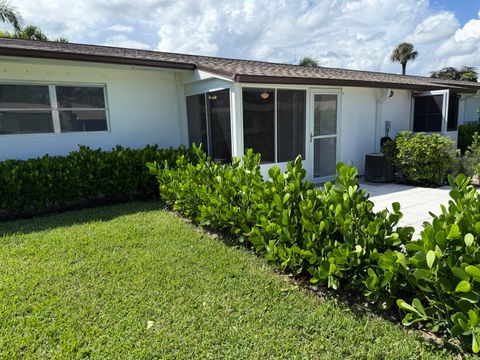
(378, 117)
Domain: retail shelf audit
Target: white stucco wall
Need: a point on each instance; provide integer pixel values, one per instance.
(145, 107)
(467, 109)
(358, 121)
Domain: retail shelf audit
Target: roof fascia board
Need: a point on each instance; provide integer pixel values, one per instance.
(340, 82)
(28, 53)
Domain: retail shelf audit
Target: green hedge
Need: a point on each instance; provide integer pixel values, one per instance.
(422, 159)
(465, 135)
(333, 236)
(86, 176)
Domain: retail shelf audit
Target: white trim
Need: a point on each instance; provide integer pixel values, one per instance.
(200, 75)
(445, 101)
(311, 138)
(54, 109)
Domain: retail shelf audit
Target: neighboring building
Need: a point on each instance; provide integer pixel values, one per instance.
(55, 96)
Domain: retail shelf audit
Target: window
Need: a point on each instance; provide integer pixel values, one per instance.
(219, 125)
(267, 112)
(452, 120)
(81, 108)
(25, 109)
(259, 122)
(197, 120)
(209, 123)
(28, 109)
(428, 113)
(291, 115)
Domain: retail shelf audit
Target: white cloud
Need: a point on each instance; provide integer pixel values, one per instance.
(121, 28)
(434, 28)
(123, 41)
(339, 33)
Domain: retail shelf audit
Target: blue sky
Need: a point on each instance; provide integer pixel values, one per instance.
(464, 10)
(358, 34)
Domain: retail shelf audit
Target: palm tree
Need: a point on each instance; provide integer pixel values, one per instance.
(30, 32)
(9, 14)
(403, 53)
(308, 61)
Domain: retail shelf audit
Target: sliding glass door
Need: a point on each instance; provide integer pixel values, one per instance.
(324, 135)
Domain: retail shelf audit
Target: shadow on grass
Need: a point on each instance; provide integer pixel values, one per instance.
(73, 217)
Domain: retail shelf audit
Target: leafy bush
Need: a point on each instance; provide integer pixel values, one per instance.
(443, 268)
(471, 160)
(333, 236)
(422, 159)
(465, 135)
(54, 182)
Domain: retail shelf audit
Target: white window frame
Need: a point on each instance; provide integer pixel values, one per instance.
(54, 109)
(445, 104)
(275, 88)
(205, 93)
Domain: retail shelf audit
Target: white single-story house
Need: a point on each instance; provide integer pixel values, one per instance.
(55, 96)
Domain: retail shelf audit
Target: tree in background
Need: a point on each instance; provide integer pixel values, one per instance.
(30, 32)
(308, 61)
(465, 73)
(403, 53)
(9, 14)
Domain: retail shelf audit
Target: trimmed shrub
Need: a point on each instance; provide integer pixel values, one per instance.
(332, 236)
(50, 183)
(422, 159)
(465, 135)
(471, 159)
(443, 271)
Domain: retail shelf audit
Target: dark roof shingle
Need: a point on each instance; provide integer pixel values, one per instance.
(238, 70)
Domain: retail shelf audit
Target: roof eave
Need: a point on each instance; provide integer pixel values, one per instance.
(242, 78)
(58, 55)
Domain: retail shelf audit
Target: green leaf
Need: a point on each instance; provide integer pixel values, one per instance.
(454, 232)
(474, 272)
(430, 258)
(475, 343)
(463, 286)
(469, 239)
(402, 304)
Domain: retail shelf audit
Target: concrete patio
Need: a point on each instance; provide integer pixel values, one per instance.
(415, 202)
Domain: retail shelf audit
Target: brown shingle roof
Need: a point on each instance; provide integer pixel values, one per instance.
(246, 71)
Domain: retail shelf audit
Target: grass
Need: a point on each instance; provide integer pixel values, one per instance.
(134, 281)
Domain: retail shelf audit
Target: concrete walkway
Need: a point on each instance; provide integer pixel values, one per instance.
(415, 202)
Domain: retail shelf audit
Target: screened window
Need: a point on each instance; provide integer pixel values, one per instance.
(428, 114)
(209, 123)
(291, 115)
(452, 121)
(259, 122)
(270, 112)
(220, 133)
(26, 109)
(197, 120)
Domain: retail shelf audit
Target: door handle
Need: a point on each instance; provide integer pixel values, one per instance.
(311, 137)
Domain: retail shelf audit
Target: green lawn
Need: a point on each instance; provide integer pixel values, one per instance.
(135, 281)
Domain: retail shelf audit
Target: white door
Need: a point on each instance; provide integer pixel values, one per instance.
(430, 109)
(431, 112)
(324, 135)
